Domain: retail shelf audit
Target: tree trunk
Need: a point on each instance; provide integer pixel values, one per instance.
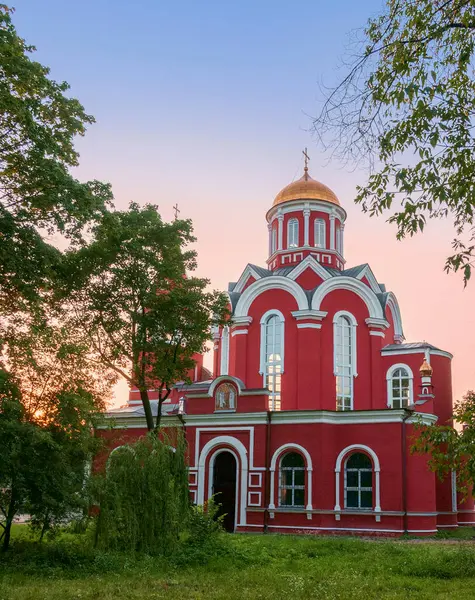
(147, 408)
(45, 526)
(8, 525)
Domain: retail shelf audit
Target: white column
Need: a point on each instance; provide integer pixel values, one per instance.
(309, 500)
(272, 480)
(377, 507)
(337, 489)
(280, 243)
(269, 229)
(342, 229)
(306, 216)
(332, 232)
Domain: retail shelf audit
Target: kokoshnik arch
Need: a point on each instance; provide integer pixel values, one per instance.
(305, 424)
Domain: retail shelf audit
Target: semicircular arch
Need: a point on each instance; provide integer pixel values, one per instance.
(350, 284)
(270, 283)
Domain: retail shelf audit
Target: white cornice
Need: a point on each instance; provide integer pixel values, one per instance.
(373, 282)
(308, 314)
(314, 205)
(396, 351)
(287, 417)
(309, 262)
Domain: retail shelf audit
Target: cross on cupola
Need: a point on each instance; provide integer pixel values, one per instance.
(177, 211)
(306, 158)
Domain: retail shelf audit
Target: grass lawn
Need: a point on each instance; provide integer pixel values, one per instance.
(245, 566)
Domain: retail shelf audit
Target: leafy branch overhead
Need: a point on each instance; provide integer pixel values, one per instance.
(406, 110)
(38, 124)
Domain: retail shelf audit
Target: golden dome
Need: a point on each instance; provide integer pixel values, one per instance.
(307, 188)
(425, 369)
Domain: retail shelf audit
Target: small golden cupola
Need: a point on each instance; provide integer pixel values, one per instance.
(425, 369)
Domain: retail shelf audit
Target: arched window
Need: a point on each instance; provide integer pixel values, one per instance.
(292, 480)
(344, 359)
(400, 386)
(293, 233)
(359, 482)
(225, 397)
(273, 244)
(272, 358)
(320, 241)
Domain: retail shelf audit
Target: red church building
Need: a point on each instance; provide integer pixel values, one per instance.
(306, 423)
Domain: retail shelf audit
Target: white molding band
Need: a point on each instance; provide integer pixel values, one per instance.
(277, 454)
(352, 285)
(309, 325)
(276, 282)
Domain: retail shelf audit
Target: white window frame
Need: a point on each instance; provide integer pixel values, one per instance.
(353, 353)
(293, 486)
(319, 227)
(359, 488)
(224, 367)
(263, 356)
(285, 448)
(293, 233)
(389, 381)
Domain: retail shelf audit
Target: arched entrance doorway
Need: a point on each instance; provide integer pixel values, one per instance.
(224, 487)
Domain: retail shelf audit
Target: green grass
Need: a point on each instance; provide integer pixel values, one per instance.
(242, 566)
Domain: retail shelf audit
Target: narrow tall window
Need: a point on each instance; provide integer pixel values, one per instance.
(399, 388)
(320, 233)
(273, 339)
(273, 244)
(344, 362)
(293, 233)
(359, 482)
(292, 480)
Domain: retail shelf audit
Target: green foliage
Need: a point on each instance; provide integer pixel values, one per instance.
(452, 449)
(406, 108)
(132, 296)
(142, 498)
(38, 123)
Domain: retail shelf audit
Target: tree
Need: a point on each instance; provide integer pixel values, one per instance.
(143, 496)
(50, 398)
(132, 297)
(406, 109)
(452, 449)
(38, 123)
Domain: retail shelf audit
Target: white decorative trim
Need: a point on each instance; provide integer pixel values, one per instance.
(257, 502)
(249, 430)
(373, 282)
(376, 469)
(240, 321)
(292, 206)
(248, 272)
(212, 460)
(352, 285)
(276, 282)
(396, 351)
(370, 530)
(239, 332)
(306, 222)
(389, 376)
(194, 495)
(259, 480)
(277, 454)
(280, 239)
(392, 303)
(318, 315)
(239, 447)
(378, 333)
(378, 323)
(192, 478)
(309, 325)
(309, 262)
(332, 232)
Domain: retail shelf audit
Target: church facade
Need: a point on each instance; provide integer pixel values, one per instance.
(306, 424)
